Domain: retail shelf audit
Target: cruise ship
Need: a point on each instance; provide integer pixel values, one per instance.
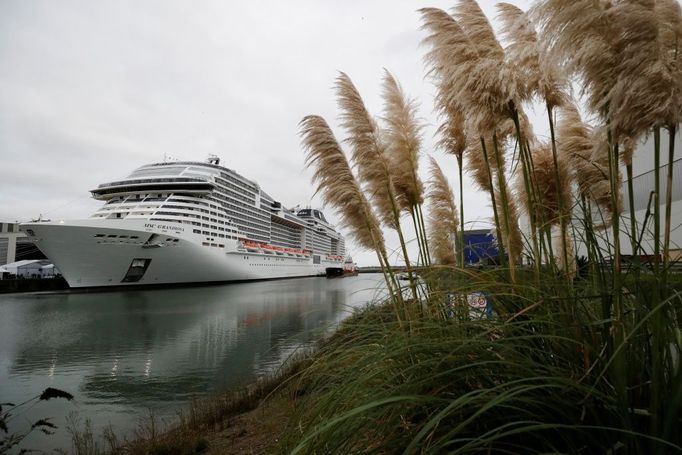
(188, 222)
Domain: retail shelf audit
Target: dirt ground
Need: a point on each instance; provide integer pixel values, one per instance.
(254, 432)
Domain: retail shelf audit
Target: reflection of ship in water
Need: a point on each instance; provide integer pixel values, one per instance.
(163, 346)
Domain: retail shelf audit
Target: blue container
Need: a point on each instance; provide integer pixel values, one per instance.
(479, 247)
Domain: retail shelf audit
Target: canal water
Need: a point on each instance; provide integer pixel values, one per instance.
(123, 354)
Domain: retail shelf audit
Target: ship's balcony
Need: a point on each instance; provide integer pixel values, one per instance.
(186, 185)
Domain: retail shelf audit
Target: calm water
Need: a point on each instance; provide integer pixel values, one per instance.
(123, 353)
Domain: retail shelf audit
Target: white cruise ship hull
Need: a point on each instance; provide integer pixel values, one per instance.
(105, 252)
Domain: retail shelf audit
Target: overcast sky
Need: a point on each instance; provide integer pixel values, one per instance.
(90, 90)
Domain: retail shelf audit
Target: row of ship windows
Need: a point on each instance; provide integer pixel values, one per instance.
(131, 237)
(222, 198)
(234, 177)
(284, 228)
(222, 236)
(113, 236)
(194, 223)
(285, 241)
(286, 235)
(235, 212)
(196, 201)
(237, 183)
(191, 209)
(232, 194)
(270, 265)
(253, 227)
(191, 215)
(245, 186)
(196, 217)
(232, 199)
(274, 259)
(241, 220)
(243, 209)
(215, 245)
(139, 197)
(189, 200)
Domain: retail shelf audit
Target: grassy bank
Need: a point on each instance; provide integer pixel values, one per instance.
(528, 381)
(535, 378)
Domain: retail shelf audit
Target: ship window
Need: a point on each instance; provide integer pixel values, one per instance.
(111, 236)
(136, 271)
(99, 235)
(134, 237)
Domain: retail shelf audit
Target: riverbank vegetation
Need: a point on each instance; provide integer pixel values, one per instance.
(579, 355)
(581, 351)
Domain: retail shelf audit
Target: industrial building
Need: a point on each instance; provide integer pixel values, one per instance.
(643, 183)
(15, 246)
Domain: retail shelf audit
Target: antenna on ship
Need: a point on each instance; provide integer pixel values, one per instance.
(213, 159)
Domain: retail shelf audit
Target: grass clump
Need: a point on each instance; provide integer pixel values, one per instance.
(524, 382)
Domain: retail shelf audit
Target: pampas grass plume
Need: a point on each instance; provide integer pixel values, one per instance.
(403, 138)
(442, 221)
(336, 183)
(368, 149)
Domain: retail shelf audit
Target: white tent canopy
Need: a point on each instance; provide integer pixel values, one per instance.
(30, 268)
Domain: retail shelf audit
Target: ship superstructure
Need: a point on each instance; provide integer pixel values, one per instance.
(177, 222)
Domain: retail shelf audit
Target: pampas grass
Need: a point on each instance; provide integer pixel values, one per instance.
(645, 87)
(369, 150)
(582, 361)
(453, 141)
(339, 188)
(474, 78)
(403, 138)
(542, 76)
(511, 234)
(600, 187)
(548, 207)
(586, 151)
(574, 144)
(477, 27)
(337, 185)
(443, 222)
(579, 35)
